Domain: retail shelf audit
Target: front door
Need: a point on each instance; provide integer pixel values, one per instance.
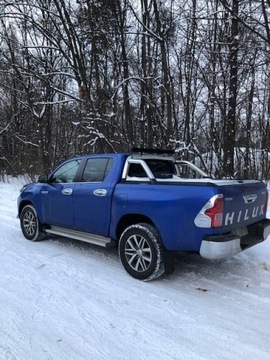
(57, 195)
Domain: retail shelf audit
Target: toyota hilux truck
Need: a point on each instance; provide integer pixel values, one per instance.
(148, 204)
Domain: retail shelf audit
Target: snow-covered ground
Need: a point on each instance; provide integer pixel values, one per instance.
(65, 300)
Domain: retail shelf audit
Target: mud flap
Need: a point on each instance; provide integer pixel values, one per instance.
(169, 264)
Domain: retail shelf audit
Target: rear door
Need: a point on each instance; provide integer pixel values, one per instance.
(92, 196)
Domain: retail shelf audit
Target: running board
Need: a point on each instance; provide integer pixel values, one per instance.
(83, 236)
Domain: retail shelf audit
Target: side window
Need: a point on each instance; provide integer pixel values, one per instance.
(66, 173)
(97, 169)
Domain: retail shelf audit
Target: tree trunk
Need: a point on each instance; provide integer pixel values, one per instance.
(230, 122)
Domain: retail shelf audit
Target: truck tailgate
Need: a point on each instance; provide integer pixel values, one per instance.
(244, 203)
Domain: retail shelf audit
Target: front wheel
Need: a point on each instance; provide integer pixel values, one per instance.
(141, 252)
(30, 224)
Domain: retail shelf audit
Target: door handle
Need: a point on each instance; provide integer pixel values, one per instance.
(100, 192)
(67, 191)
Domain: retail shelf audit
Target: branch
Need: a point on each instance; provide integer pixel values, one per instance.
(261, 36)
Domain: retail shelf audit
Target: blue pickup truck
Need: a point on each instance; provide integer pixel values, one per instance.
(149, 205)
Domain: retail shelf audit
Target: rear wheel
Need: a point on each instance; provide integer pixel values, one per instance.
(30, 224)
(141, 252)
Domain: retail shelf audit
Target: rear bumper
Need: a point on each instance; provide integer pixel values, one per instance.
(223, 246)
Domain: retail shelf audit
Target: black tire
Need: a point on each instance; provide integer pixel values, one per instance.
(141, 252)
(30, 225)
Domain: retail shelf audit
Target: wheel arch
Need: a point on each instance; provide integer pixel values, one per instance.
(23, 204)
(131, 219)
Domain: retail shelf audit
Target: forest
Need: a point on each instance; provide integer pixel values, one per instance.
(93, 76)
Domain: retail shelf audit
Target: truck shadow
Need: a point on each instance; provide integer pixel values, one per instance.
(237, 270)
(188, 266)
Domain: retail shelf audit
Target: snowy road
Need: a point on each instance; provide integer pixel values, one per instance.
(61, 299)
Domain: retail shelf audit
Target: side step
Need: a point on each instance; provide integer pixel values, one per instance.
(83, 236)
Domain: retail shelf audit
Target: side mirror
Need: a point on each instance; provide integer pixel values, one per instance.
(43, 178)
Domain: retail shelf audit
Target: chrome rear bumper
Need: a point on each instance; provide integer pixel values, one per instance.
(223, 246)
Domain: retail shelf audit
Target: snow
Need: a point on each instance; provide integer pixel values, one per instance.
(62, 299)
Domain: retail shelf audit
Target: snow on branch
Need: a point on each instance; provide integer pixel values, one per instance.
(26, 142)
(4, 129)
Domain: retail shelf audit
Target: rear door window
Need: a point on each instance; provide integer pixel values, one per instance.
(96, 169)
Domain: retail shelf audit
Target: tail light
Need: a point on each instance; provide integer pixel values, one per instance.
(211, 215)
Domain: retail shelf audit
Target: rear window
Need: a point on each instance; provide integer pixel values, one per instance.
(161, 169)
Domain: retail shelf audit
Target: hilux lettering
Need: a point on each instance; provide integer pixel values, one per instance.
(243, 216)
(246, 215)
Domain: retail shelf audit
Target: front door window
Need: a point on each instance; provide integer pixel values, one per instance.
(66, 173)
